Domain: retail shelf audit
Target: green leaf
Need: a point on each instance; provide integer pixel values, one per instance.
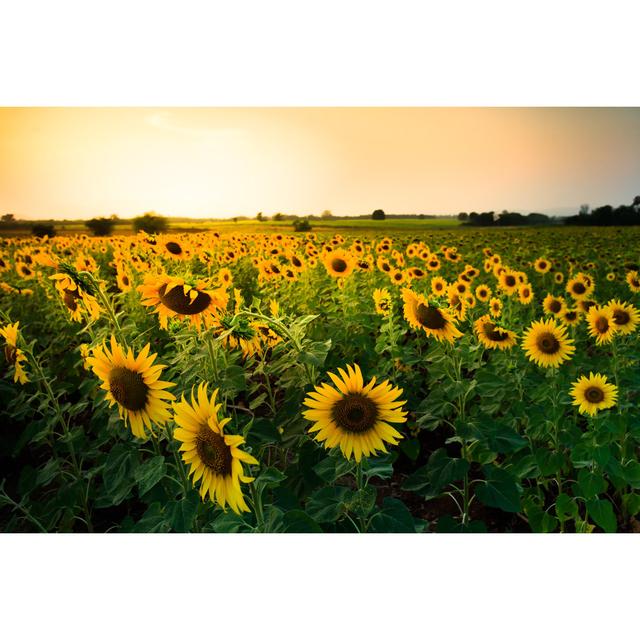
(379, 467)
(631, 502)
(229, 522)
(149, 473)
(118, 473)
(183, 513)
(152, 521)
(47, 473)
(411, 448)
(601, 512)
(566, 508)
(333, 467)
(549, 462)
(393, 517)
(540, 521)
(297, 521)
(500, 490)
(269, 477)
(590, 483)
(328, 504)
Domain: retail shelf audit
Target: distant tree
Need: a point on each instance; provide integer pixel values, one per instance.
(301, 224)
(636, 202)
(235, 219)
(538, 218)
(100, 226)
(463, 216)
(422, 216)
(259, 217)
(150, 223)
(8, 217)
(378, 214)
(43, 229)
(278, 217)
(584, 210)
(326, 214)
(114, 217)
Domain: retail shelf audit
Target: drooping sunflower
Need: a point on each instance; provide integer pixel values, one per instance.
(433, 320)
(339, 263)
(13, 354)
(382, 300)
(492, 336)
(633, 280)
(172, 297)
(353, 416)
(601, 324)
(625, 316)
(214, 457)
(546, 343)
(76, 298)
(593, 393)
(133, 384)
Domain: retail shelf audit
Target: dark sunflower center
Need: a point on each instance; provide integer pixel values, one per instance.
(495, 333)
(555, 306)
(510, 281)
(177, 301)
(579, 288)
(548, 343)
(213, 451)
(125, 281)
(621, 317)
(338, 265)
(295, 262)
(430, 317)
(542, 265)
(70, 299)
(602, 325)
(594, 394)
(355, 413)
(571, 315)
(128, 388)
(174, 248)
(525, 293)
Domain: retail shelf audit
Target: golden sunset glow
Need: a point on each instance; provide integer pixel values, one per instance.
(221, 162)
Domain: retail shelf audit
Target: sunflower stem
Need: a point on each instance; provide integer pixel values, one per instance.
(109, 307)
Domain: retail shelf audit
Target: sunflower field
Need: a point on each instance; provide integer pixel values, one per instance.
(451, 380)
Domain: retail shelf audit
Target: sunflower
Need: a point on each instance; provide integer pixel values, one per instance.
(14, 355)
(214, 457)
(495, 307)
(435, 321)
(593, 393)
(339, 263)
(353, 416)
(554, 305)
(174, 298)
(483, 292)
(625, 316)
(76, 298)
(570, 317)
(134, 384)
(558, 278)
(542, 265)
(492, 336)
(382, 299)
(546, 343)
(439, 286)
(508, 281)
(525, 294)
(601, 324)
(579, 287)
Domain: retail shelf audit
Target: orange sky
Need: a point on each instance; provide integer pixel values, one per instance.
(211, 162)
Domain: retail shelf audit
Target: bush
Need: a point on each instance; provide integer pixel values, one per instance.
(42, 229)
(378, 214)
(301, 225)
(100, 226)
(150, 223)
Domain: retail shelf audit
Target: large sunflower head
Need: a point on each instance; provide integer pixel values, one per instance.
(633, 280)
(493, 336)
(339, 263)
(214, 457)
(601, 324)
(546, 343)
(593, 393)
(423, 314)
(353, 416)
(580, 287)
(625, 316)
(175, 298)
(133, 384)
